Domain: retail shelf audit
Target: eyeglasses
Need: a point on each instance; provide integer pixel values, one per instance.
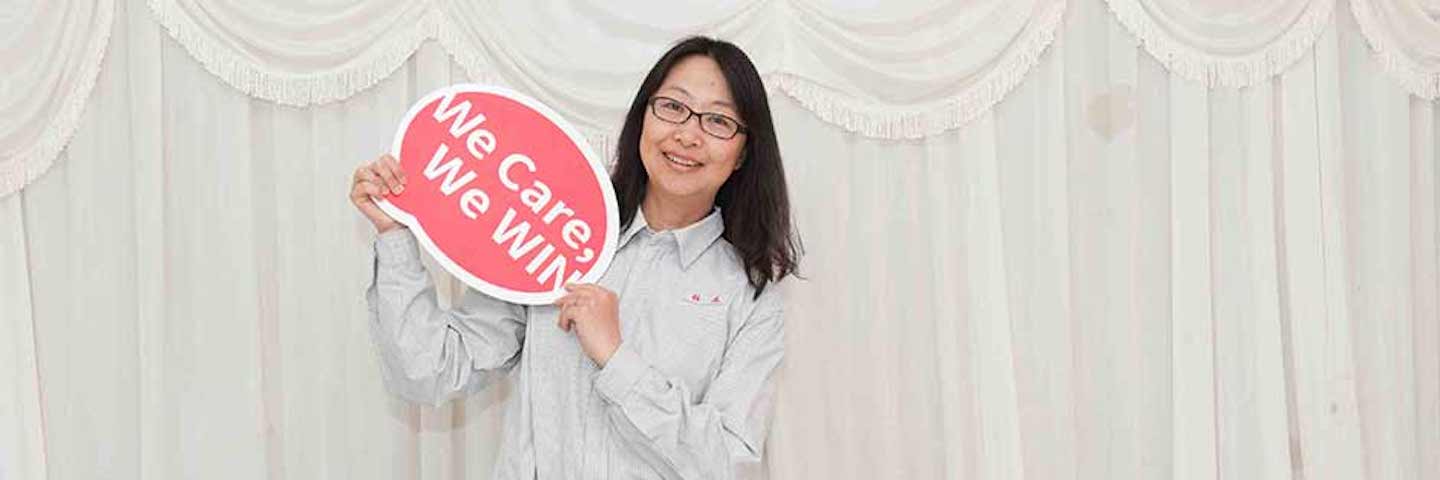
(716, 124)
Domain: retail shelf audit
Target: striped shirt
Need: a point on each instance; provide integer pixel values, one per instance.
(688, 394)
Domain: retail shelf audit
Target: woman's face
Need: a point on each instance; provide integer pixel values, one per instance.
(683, 160)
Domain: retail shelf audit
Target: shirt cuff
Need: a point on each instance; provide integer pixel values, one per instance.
(397, 247)
(625, 368)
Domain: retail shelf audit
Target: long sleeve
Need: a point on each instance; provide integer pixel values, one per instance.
(724, 434)
(429, 354)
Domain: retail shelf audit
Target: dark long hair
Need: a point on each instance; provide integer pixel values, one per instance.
(754, 198)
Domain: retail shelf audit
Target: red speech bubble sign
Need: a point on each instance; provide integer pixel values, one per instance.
(503, 193)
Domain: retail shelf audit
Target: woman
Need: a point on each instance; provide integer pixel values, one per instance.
(665, 369)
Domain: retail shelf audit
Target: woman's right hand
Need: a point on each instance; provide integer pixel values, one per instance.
(376, 179)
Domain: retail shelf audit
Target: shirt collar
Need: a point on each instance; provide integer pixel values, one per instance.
(692, 240)
(637, 224)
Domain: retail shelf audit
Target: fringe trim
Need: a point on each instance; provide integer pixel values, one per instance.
(843, 110)
(1409, 73)
(878, 121)
(383, 59)
(31, 162)
(1213, 71)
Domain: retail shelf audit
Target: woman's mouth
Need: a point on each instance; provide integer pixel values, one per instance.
(680, 161)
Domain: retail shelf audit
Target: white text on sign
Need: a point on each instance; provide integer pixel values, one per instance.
(535, 195)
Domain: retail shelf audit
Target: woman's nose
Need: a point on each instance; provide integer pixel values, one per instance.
(689, 135)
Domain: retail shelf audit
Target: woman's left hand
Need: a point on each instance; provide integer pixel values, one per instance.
(593, 313)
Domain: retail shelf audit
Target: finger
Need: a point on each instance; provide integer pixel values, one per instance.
(373, 190)
(566, 301)
(567, 319)
(576, 293)
(394, 166)
(583, 302)
(567, 309)
(580, 288)
(573, 305)
(391, 182)
(360, 196)
(366, 174)
(588, 287)
(592, 291)
(357, 193)
(376, 174)
(362, 172)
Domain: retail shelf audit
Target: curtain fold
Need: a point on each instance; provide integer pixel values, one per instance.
(50, 52)
(911, 71)
(904, 70)
(1225, 43)
(923, 68)
(1405, 35)
(298, 53)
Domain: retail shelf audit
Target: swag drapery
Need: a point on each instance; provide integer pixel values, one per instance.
(1092, 265)
(49, 55)
(1405, 34)
(893, 70)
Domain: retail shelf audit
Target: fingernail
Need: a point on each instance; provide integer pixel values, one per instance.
(399, 189)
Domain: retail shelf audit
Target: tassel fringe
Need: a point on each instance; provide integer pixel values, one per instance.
(1213, 71)
(27, 165)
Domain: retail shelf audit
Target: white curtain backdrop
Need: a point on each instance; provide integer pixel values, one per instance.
(1406, 36)
(49, 55)
(1114, 273)
(1232, 43)
(897, 69)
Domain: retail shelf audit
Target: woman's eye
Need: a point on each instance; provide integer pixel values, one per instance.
(719, 121)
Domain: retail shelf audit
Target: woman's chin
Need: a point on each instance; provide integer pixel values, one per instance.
(677, 187)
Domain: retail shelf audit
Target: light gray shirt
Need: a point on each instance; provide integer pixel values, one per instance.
(688, 394)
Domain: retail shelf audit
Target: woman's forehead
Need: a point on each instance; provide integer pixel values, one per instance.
(698, 81)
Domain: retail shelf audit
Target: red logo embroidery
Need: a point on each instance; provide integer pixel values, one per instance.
(715, 300)
(695, 297)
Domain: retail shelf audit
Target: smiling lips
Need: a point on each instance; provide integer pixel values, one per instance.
(680, 161)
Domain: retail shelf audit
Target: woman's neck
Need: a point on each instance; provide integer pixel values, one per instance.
(668, 213)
